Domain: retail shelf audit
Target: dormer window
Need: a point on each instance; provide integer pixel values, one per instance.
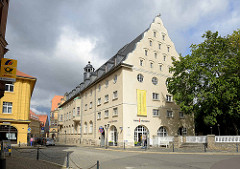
(159, 46)
(150, 43)
(141, 62)
(151, 65)
(163, 37)
(168, 48)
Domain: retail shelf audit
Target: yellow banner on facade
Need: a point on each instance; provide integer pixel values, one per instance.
(141, 103)
(8, 69)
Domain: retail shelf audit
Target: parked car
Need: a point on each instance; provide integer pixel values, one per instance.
(50, 142)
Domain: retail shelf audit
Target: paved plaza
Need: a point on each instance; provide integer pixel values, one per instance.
(118, 158)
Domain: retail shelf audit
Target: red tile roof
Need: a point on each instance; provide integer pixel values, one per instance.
(33, 115)
(43, 118)
(21, 74)
(56, 99)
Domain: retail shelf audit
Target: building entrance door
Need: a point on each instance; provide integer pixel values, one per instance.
(140, 135)
(8, 132)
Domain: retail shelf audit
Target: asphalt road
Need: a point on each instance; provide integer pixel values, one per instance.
(86, 157)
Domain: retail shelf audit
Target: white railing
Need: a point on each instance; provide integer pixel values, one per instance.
(227, 139)
(196, 139)
(158, 141)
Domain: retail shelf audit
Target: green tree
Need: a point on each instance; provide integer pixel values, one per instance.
(207, 82)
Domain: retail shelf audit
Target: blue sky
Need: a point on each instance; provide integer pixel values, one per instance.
(54, 40)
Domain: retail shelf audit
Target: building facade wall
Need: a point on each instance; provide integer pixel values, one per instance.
(20, 99)
(151, 58)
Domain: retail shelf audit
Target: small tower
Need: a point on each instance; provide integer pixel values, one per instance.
(87, 71)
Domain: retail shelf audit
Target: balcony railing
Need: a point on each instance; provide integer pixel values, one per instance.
(76, 118)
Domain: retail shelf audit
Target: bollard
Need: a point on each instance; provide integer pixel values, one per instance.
(19, 144)
(38, 153)
(67, 164)
(237, 147)
(98, 165)
(173, 147)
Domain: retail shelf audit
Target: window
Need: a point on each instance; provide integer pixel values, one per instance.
(85, 127)
(164, 58)
(106, 83)
(90, 105)
(154, 80)
(7, 107)
(85, 107)
(160, 67)
(99, 87)
(169, 113)
(78, 111)
(155, 112)
(163, 37)
(181, 115)
(115, 111)
(80, 129)
(140, 77)
(168, 98)
(74, 112)
(99, 101)
(9, 87)
(182, 131)
(159, 46)
(155, 34)
(150, 43)
(90, 127)
(106, 114)
(151, 65)
(115, 95)
(155, 96)
(155, 54)
(141, 62)
(168, 48)
(99, 115)
(162, 132)
(146, 52)
(69, 115)
(115, 79)
(106, 98)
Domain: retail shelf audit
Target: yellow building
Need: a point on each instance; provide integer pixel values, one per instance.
(15, 108)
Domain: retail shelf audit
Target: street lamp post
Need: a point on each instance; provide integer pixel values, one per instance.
(106, 127)
(218, 129)
(211, 129)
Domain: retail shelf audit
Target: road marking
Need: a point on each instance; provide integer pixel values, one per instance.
(129, 167)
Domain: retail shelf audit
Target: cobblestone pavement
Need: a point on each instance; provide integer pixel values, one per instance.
(28, 163)
(116, 157)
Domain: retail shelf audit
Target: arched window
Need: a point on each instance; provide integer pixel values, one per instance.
(90, 127)
(140, 133)
(85, 127)
(162, 132)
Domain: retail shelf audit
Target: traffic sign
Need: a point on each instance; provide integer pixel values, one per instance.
(29, 129)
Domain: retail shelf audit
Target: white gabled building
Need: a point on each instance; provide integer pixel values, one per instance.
(127, 95)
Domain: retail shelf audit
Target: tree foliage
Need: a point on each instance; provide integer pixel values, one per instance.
(207, 82)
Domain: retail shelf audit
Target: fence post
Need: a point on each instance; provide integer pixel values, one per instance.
(67, 165)
(98, 164)
(237, 147)
(38, 153)
(173, 147)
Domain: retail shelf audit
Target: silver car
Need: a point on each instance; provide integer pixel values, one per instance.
(50, 142)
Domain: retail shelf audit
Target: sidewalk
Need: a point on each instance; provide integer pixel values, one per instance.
(28, 163)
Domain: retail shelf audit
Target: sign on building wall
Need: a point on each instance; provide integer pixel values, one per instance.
(8, 69)
(141, 103)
